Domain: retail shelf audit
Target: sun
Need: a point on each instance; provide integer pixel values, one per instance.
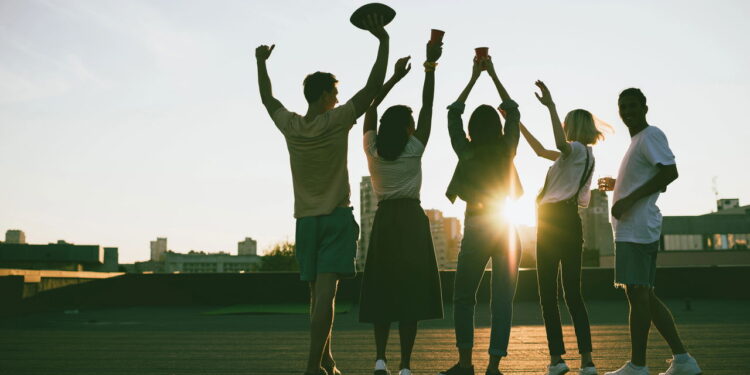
(520, 212)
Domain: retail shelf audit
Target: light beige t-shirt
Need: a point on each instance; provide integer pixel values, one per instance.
(317, 154)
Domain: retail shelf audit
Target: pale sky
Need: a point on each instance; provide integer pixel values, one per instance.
(123, 121)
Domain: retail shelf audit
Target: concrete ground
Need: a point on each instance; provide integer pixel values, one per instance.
(158, 340)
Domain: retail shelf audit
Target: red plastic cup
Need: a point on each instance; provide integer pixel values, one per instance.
(482, 51)
(436, 36)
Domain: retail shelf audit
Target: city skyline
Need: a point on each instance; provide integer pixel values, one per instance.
(124, 122)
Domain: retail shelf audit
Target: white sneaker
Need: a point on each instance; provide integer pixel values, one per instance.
(589, 370)
(629, 369)
(404, 371)
(558, 369)
(689, 367)
(381, 368)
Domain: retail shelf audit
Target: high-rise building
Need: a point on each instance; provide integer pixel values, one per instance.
(15, 236)
(437, 229)
(247, 247)
(158, 249)
(598, 240)
(368, 204)
(453, 237)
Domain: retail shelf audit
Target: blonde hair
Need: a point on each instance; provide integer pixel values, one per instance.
(580, 125)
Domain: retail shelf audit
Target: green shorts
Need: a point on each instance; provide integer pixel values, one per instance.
(635, 263)
(327, 244)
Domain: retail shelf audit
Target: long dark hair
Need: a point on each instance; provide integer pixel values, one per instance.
(485, 126)
(392, 134)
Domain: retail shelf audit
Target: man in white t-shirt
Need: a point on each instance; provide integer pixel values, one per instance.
(326, 232)
(646, 169)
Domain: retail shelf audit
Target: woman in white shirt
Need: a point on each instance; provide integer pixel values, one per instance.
(559, 230)
(401, 282)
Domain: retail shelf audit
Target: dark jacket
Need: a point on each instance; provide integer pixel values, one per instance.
(484, 174)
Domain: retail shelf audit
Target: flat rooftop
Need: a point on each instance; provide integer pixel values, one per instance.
(182, 340)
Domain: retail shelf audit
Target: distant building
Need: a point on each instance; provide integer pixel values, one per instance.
(446, 238)
(15, 236)
(200, 262)
(598, 239)
(247, 247)
(368, 204)
(453, 237)
(719, 238)
(158, 249)
(437, 230)
(59, 256)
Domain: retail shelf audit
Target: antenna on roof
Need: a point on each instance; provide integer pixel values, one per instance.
(715, 188)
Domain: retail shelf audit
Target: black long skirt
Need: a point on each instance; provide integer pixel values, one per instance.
(401, 280)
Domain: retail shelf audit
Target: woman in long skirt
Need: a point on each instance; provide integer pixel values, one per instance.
(401, 281)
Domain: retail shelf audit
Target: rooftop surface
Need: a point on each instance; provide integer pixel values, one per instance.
(182, 340)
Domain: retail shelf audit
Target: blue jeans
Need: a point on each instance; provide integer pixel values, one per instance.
(486, 238)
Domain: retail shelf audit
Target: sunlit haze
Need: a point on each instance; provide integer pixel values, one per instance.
(123, 121)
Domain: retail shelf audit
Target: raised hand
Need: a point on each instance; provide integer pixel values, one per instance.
(546, 97)
(262, 53)
(402, 67)
(374, 24)
(434, 51)
(477, 68)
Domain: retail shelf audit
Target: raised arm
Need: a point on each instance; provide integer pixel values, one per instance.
(371, 116)
(537, 146)
(363, 98)
(513, 116)
(455, 110)
(424, 123)
(262, 53)
(476, 70)
(546, 100)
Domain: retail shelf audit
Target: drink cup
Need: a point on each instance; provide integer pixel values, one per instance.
(436, 36)
(606, 183)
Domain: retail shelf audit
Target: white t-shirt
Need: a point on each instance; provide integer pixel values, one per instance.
(400, 178)
(564, 177)
(318, 156)
(642, 223)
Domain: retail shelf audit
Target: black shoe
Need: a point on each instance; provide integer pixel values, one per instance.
(458, 370)
(488, 372)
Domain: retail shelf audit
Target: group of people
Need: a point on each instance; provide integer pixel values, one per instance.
(401, 282)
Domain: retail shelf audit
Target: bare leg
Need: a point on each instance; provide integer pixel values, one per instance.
(407, 332)
(664, 322)
(321, 319)
(640, 322)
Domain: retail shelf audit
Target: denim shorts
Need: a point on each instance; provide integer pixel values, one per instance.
(327, 244)
(635, 263)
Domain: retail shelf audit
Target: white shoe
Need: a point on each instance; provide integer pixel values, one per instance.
(689, 367)
(629, 369)
(558, 369)
(404, 371)
(589, 370)
(381, 368)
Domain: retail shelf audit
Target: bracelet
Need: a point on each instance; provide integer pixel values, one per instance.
(429, 66)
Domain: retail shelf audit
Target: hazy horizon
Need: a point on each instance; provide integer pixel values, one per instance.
(121, 122)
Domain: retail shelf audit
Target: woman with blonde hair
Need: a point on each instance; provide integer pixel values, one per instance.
(559, 230)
